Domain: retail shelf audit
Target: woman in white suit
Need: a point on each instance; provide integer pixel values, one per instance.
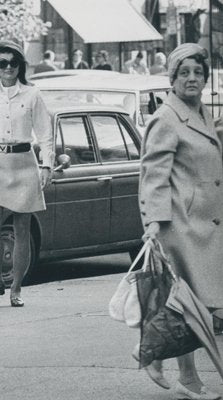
(181, 195)
(22, 112)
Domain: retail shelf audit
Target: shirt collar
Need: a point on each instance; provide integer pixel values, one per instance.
(11, 91)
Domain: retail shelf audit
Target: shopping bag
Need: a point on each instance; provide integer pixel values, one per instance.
(164, 332)
(148, 275)
(127, 285)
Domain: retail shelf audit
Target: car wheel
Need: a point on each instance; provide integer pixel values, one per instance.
(8, 239)
(133, 254)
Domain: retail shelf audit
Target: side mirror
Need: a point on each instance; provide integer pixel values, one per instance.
(64, 162)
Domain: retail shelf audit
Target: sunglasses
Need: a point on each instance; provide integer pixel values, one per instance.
(14, 63)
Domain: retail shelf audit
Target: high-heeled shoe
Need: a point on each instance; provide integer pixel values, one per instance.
(154, 370)
(181, 392)
(16, 302)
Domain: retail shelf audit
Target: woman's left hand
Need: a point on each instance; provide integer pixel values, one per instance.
(45, 176)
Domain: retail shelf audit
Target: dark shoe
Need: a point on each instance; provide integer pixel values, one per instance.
(16, 302)
(2, 289)
(181, 392)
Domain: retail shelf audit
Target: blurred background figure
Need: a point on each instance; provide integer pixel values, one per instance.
(95, 61)
(76, 62)
(159, 66)
(136, 66)
(101, 60)
(47, 64)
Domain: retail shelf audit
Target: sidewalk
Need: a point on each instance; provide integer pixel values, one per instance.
(63, 345)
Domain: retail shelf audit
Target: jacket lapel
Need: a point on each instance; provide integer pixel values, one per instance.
(193, 121)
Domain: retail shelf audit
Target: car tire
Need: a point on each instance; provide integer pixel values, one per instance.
(8, 238)
(133, 254)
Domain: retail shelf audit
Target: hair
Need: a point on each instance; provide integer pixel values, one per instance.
(160, 56)
(48, 54)
(200, 60)
(77, 51)
(139, 55)
(22, 63)
(104, 54)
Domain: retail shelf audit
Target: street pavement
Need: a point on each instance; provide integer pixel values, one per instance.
(63, 345)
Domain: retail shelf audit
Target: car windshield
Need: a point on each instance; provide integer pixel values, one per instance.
(54, 98)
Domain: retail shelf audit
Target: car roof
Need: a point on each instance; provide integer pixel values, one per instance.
(120, 82)
(85, 108)
(71, 72)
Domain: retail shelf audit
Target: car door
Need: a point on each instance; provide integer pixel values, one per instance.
(82, 191)
(119, 149)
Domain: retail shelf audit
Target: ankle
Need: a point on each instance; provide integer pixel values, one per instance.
(15, 292)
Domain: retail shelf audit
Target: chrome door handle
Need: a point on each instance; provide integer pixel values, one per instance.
(104, 178)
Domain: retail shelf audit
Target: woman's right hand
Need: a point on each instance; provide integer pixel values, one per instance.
(151, 232)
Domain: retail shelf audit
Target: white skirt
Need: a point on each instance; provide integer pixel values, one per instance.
(20, 188)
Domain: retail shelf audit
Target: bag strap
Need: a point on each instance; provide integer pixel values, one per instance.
(162, 256)
(145, 249)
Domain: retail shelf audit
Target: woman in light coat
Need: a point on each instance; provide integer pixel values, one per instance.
(181, 194)
(22, 113)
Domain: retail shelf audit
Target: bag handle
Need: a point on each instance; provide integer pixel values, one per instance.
(145, 249)
(162, 256)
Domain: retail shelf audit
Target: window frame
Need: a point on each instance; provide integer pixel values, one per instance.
(85, 119)
(118, 117)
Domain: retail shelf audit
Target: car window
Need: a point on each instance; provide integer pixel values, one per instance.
(68, 98)
(149, 102)
(113, 139)
(133, 151)
(74, 139)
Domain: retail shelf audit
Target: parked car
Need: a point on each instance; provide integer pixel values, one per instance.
(139, 95)
(71, 72)
(92, 203)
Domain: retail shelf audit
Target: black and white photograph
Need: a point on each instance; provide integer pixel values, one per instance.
(111, 199)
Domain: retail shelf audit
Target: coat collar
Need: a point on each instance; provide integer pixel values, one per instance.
(191, 118)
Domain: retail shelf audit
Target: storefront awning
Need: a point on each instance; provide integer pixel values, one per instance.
(103, 21)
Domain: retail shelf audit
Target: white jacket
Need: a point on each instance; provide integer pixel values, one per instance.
(23, 113)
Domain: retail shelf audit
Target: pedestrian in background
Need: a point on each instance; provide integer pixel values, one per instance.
(77, 62)
(102, 61)
(159, 66)
(136, 66)
(181, 195)
(47, 64)
(22, 111)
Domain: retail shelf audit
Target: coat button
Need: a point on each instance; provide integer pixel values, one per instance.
(142, 202)
(217, 182)
(216, 221)
(143, 213)
(212, 141)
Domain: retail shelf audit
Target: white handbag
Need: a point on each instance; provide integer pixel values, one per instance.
(124, 305)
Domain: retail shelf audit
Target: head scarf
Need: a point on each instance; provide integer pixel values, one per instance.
(180, 53)
(9, 44)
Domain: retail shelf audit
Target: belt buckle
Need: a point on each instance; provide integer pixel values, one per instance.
(3, 148)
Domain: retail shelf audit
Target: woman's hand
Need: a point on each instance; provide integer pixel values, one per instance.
(45, 177)
(151, 232)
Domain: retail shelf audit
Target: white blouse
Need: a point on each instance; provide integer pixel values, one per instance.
(22, 112)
